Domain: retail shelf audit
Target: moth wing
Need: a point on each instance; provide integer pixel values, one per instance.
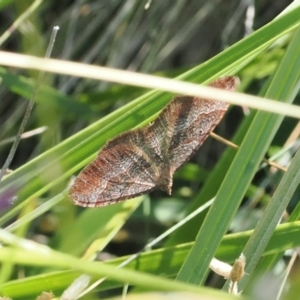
(191, 120)
(121, 171)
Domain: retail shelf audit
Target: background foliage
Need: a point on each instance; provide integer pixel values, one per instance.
(186, 38)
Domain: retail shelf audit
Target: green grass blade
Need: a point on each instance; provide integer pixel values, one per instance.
(239, 176)
(34, 254)
(154, 262)
(265, 228)
(289, 72)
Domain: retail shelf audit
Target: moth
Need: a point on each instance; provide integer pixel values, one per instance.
(139, 161)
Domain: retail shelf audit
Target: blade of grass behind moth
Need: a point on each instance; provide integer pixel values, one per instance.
(95, 226)
(73, 153)
(23, 86)
(238, 178)
(189, 230)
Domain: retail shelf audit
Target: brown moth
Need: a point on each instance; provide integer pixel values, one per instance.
(139, 161)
